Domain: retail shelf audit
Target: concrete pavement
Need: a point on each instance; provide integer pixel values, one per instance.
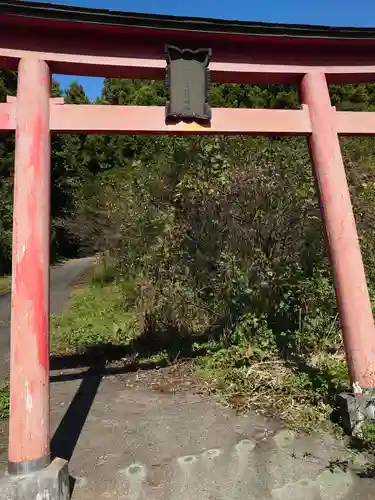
(128, 441)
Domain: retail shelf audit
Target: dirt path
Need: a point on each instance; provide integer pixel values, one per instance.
(63, 278)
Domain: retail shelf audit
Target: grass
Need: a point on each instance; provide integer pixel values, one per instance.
(298, 391)
(300, 394)
(5, 284)
(99, 313)
(4, 402)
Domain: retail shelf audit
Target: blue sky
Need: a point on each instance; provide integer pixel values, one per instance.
(327, 12)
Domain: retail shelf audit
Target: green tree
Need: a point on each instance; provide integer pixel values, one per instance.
(8, 86)
(69, 172)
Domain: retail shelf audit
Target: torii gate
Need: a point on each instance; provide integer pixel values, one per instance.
(38, 39)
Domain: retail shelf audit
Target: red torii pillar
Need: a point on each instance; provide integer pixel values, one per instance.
(29, 438)
(352, 296)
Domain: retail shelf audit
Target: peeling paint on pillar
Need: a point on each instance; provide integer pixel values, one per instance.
(29, 412)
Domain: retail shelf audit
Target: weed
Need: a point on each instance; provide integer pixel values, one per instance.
(5, 284)
(298, 393)
(98, 314)
(368, 432)
(4, 402)
(104, 272)
(292, 384)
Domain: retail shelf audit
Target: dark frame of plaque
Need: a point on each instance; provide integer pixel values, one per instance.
(187, 84)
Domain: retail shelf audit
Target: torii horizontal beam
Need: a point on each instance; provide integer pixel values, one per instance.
(106, 119)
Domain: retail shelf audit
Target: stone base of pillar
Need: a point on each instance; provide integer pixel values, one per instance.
(357, 412)
(51, 483)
